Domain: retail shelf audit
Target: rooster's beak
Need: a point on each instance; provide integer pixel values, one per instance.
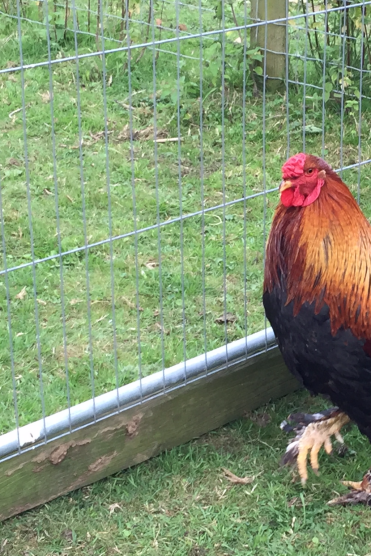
(285, 184)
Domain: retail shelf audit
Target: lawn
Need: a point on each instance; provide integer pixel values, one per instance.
(168, 271)
(72, 174)
(181, 504)
(127, 308)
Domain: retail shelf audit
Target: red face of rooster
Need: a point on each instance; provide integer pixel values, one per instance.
(302, 181)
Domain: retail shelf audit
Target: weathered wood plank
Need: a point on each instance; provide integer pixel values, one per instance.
(139, 433)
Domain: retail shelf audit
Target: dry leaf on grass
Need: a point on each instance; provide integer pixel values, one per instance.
(67, 534)
(158, 22)
(14, 162)
(237, 480)
(100, 319)
(113, 507)
(147, 133)
(151, 264)
(261, 419)
(130, 304)
(95, 137)
(226, 318)
(22, 294)
(45, 97)
(163, 330)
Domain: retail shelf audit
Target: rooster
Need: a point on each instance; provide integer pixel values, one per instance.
(317, 297)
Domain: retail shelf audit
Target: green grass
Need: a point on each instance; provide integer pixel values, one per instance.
(244, 237)
(180, 503)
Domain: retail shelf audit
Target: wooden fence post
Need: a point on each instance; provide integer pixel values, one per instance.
(276, 38)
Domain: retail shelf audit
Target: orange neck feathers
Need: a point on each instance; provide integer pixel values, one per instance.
(322, 253)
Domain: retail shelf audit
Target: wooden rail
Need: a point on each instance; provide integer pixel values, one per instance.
(143, 431)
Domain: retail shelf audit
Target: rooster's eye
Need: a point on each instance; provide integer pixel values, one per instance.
(309, 171)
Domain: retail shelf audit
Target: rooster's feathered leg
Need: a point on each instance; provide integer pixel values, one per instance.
(312, 432)
(360, 493)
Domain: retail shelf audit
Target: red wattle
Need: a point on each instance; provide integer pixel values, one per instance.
(287, 197)
(293, 198)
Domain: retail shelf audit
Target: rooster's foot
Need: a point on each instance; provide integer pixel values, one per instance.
(312, 432)
(360, 492)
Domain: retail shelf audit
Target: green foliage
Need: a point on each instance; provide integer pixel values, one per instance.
(345, 47)
(59, 18)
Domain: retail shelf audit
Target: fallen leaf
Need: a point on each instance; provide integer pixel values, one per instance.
(45, 97)
(158, 325)
(158, 22)
(75, 301)
(14, 162)
(294, 502)
(100, 319)
(147, 133)
(67, 534)
(22, 294)
(130, 304)
(151, 264)
(226, 318)
(237, 480)
(96, 137)
(41, 301)
(261, 419)
(113, 507)
(182, 27)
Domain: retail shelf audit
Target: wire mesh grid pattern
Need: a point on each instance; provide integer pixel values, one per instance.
(139, 170)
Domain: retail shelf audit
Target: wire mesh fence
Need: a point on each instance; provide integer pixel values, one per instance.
(140, 156)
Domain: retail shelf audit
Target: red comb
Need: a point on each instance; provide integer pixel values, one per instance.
(294, 167)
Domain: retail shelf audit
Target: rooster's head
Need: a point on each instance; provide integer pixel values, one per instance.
(303, 177)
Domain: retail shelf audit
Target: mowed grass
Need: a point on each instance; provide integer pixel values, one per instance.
(178, 503)
(181, 504)
(86, 330)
